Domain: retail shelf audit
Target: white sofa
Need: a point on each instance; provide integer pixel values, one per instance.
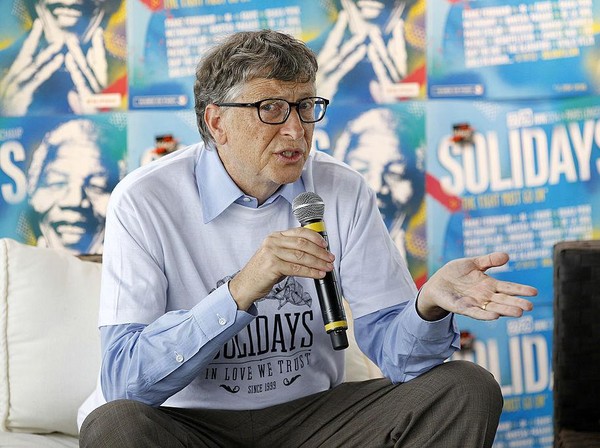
(50, 346)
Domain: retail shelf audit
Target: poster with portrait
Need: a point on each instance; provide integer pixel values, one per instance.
(514, 177)
(386, 144)
(372, 52)
(511, 49)
(56, 175)
(168, 37)
(154, 134)
(62, 57)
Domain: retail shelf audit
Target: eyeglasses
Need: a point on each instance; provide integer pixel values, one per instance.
(277, 110)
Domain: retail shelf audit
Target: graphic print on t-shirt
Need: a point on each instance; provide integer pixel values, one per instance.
(274, 349)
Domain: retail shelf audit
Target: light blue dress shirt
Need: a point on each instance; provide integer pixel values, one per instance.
(151, 351)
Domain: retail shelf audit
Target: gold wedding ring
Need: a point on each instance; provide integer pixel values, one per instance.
(484, 306)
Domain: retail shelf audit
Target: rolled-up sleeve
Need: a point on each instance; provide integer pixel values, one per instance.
(149, 363)
(402, 344)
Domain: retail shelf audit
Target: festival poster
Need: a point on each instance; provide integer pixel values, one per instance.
(167, 38)
(56, 175)
(154, 134)
(513, 49)
(526, 177)
(386, 144)
(62, 57)
(518, 352)
(372, 52)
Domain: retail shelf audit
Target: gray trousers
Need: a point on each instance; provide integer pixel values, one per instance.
(456, 404)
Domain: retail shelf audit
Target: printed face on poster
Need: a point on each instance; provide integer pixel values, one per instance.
(57, 175)
(386, 144)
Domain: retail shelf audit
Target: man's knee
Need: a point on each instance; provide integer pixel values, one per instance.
(116, 418)
(475, 384)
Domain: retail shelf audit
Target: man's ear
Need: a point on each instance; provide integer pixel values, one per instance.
(215, 123)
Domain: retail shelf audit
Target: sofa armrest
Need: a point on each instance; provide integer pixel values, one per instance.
(49, 341)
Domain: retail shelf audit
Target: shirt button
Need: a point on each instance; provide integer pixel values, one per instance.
(222, 320)
(179, 357)
(246, 199)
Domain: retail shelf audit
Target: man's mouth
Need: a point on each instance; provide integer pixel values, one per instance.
(290, 155)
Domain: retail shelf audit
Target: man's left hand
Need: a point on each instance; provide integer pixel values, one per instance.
(462, 286)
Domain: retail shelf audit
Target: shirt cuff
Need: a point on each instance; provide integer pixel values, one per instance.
(425, 329)
(218, 311)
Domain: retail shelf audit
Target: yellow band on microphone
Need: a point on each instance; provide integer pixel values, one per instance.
(318, 226)
(335, 325)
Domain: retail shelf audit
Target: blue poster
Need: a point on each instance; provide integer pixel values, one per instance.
(56, 175)
(515, 177)
(518, 352)
(65, 57)
(372, 52)
(367, 53)
(167, 39)
(386, 144)
(511, 49)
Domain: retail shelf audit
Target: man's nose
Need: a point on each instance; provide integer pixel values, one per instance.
(293, 126)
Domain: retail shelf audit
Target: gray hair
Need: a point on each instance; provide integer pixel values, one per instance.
(244, 56)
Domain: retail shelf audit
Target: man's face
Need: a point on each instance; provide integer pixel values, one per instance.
(72, 196)
(261, 157)
(70, 15)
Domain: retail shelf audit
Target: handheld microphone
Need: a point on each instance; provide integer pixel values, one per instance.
(308, 208)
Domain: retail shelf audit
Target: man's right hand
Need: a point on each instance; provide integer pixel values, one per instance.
(295, 252)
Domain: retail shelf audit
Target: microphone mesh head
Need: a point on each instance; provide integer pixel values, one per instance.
(308, 207)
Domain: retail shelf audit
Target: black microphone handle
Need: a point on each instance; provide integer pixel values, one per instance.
(332, 310)
(330, 299)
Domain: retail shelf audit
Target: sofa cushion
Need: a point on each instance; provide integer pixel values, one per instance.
(21, 440)
(49, 342)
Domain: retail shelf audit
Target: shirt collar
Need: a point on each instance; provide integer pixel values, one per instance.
(218, 191)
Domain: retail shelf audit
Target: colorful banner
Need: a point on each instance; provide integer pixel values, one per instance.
(62, 57)
(372, 52)
(514, 177)
(386, 144)
(513, 49)
(56, 175)
(168, 38)
(518, 352)
(365, 54)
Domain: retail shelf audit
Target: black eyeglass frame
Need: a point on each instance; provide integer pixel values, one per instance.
(291, 104)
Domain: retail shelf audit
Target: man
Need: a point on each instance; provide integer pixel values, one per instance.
(208, 336)
(62, 61)
(70, 178)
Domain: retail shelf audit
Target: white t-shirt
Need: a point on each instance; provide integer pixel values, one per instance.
(175, 235)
